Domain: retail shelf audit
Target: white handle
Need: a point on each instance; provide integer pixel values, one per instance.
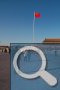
(48, 78)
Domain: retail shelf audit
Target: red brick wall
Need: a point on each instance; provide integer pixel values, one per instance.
(4, 71)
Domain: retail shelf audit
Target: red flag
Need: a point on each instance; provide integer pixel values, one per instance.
(37, 15)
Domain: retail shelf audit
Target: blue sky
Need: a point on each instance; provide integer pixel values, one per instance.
(16, 20)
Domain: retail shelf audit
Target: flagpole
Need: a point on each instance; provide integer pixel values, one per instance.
(33, 27)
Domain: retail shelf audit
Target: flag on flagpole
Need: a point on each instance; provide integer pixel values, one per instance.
(37, 15)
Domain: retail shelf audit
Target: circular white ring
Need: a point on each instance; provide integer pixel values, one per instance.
(36, 74)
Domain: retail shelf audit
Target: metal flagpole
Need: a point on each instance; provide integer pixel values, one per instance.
(33, 27)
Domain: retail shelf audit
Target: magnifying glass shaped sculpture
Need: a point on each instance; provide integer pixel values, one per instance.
(46, 76)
